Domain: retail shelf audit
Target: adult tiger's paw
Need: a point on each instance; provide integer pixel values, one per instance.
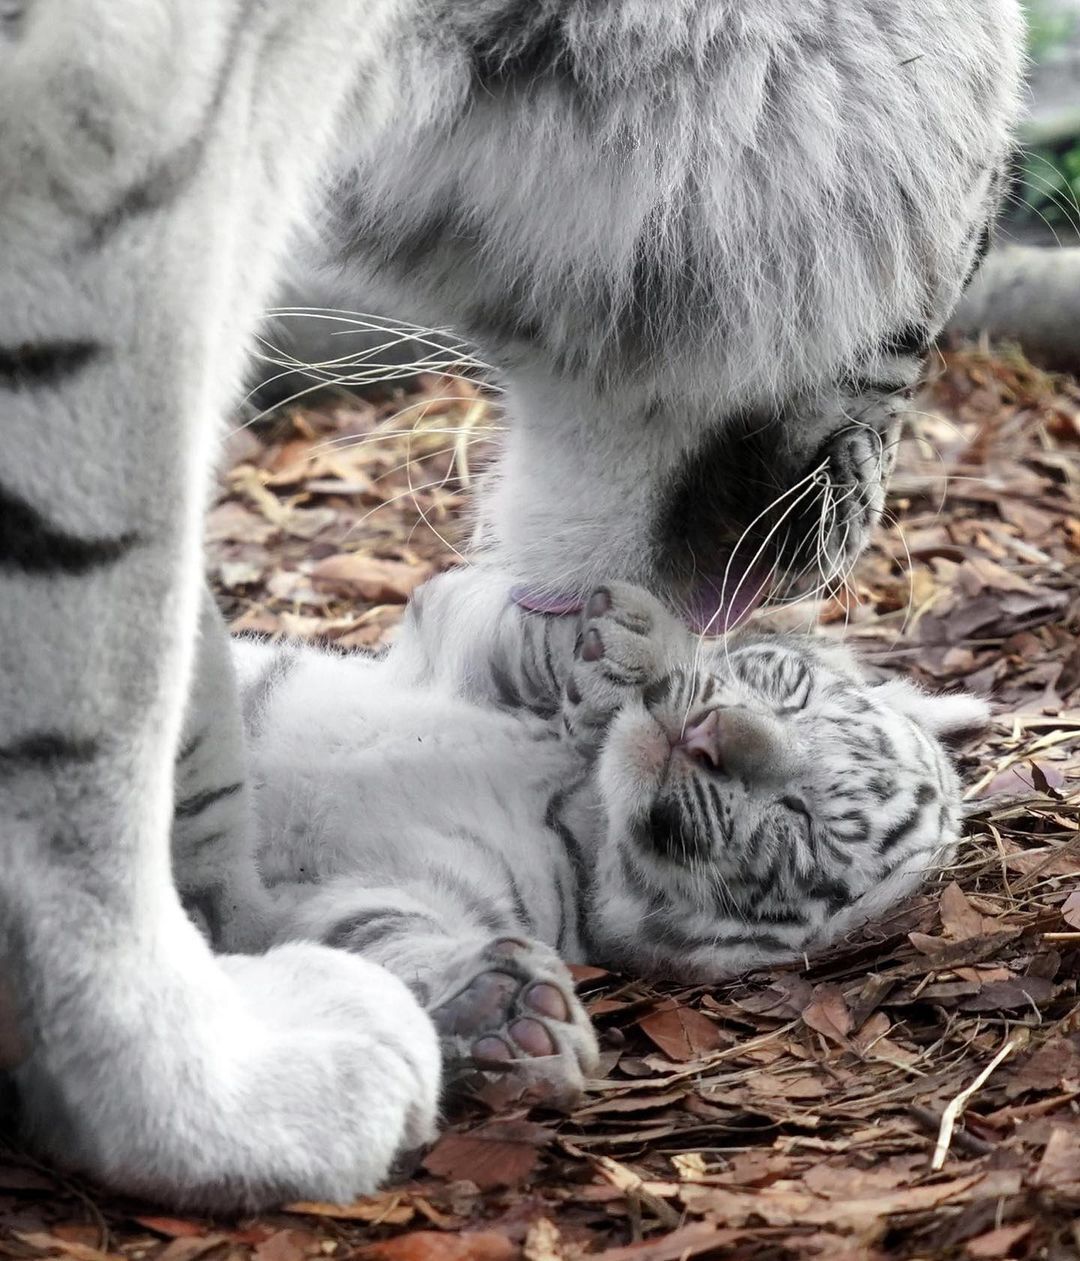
(509, 1009)
(858, 463)
(301, 1074)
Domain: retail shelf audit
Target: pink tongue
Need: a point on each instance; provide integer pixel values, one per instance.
(545, 602)
(706, 615)
(709, 617)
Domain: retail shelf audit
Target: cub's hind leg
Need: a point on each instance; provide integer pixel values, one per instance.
(151, 159)
(502, 1001)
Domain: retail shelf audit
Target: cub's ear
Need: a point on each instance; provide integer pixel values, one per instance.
(950, 718)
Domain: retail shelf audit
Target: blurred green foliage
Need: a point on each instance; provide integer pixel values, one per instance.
(1048, 184)
(1048, 176)
(1048, 27)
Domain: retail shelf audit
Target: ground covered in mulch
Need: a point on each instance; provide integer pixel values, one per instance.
(914, 1094)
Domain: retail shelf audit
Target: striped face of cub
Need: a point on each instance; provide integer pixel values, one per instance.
(761, 795)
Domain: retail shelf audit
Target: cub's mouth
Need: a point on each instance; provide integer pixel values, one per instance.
(754, 517)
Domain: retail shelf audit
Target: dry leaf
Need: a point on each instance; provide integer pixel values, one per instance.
(828, 1013)
(582, 972)
(1021, 991)
(433, 1245)
(543, 1242)
(783, 1207)
(1060, 1164)
(388, 1209)
(379, 581)
(690, 1241)
(187, 1248)
(503, 1154)
(23, 1178)
(78, 1232)
(959, 918)
(173, 1227)
(802, 1086)
(997, 1243)
(681, 1032)
(1046, 1069)
(284, 1245)
(51, 1245)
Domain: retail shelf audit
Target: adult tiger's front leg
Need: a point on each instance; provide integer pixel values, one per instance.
(706, 245)
(152, 158)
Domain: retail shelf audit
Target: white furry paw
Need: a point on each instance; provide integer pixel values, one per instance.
(237, 1082)
(859, 463)
(354, 1060)
(626, 639)
(510, 1009)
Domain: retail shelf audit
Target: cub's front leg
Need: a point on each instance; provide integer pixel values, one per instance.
(627, 643)
(464, 631)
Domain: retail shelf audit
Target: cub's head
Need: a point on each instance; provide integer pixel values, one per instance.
(771, 789)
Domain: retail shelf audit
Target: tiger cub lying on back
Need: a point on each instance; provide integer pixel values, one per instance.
(502, 792)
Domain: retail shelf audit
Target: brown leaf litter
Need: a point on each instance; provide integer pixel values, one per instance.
(794, 1113)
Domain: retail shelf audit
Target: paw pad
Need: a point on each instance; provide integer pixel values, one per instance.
(532, 1037)
(480, 1005)
(548, 1000)
(517, 1017)
(599, 603)
(592, 647)
(492, 1052)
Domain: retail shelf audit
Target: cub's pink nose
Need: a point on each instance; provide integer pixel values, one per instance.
(702, 740)
(740, 742)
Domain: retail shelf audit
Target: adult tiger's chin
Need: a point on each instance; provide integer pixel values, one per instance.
(716, 512)
(760, 513)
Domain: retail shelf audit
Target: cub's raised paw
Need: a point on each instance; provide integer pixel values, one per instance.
(509, 1009)
(627, 639)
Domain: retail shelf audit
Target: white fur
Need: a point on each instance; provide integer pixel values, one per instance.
(381, 787)
(152, 1064)
(803, 180)
(154, 156)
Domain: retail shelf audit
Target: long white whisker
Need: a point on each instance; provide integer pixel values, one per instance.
(890, 517)
(420, 509)
(805, 486)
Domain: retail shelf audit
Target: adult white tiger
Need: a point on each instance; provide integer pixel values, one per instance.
(676, 225)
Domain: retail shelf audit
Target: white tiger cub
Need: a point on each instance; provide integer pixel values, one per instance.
(502, 792)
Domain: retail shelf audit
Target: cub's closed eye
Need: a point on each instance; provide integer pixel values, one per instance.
(799, 696)
(796, 806)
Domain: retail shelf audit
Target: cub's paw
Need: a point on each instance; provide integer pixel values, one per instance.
(509, 1009)
(627, 639)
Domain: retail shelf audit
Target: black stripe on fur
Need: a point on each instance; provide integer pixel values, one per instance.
(923, 797)
(46, 749)
(170, 176)
(496, 856)
(258, 695)
(575, 855)
(33, 545)
(39, 364)
(361, 931)
(198, 802)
